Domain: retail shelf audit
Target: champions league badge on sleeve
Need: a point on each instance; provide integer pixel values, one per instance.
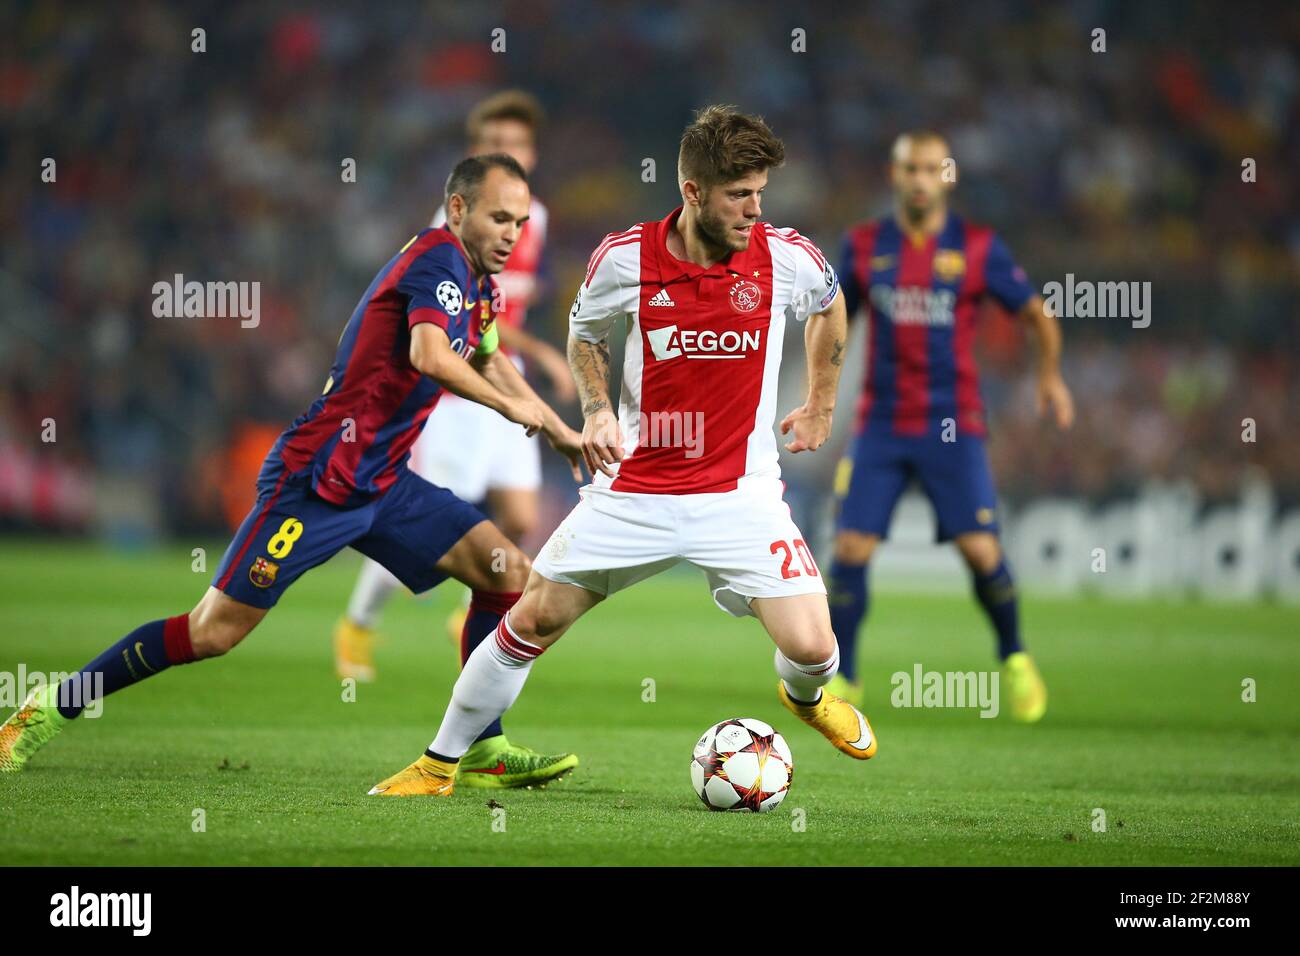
(449, 296)
(832, 287)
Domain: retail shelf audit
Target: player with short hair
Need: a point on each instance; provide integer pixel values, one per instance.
(466, 447)
(338, 475)
(475, 453)
(921, 274)
(689, 470)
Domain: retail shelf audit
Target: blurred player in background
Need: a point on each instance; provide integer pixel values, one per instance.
(466, 447)
(688, 471)
(338, 475)
(922, 274)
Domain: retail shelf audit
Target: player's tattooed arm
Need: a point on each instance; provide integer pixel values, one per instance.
(602, 440)
(589, 362)
(1053, 393)
(825, 336)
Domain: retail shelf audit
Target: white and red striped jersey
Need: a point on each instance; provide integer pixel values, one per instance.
(698, 402)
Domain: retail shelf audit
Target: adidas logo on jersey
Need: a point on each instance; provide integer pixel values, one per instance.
(661, 298)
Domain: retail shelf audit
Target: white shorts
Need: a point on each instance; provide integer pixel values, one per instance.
(745, 542)
(468, 449)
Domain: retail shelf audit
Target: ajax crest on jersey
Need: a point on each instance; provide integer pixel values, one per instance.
(745, 296)
(742, 764)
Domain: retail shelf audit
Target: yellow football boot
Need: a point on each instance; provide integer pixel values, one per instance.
(851, 691)
(1025, 688)
(835, 719)
(424, 778)
(354, 653)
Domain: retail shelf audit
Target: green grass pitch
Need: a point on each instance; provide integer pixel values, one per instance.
(1146, 722)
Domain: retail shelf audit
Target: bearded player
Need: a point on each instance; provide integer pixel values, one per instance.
(921, 274)
(688, 470)
(466, 447)
(338, 476)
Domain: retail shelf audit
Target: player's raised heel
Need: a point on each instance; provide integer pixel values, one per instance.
(424, 778)
(835, 719)
(1025, 688)
(354, 651)
(29, 728)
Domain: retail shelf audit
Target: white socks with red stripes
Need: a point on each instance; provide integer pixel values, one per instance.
(489, 683)
(803, 681)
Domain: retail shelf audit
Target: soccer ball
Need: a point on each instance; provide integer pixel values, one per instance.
(742, 764)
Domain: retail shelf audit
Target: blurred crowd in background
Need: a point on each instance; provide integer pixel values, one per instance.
(226, 164)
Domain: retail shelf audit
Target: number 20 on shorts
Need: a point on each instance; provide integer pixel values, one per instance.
(787, 565)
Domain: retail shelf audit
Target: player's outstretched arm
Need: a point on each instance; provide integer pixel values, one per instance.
(824, 338)
(542, 354)
(431, 354)
(1053, 393)
(501, 373)
(602, 442)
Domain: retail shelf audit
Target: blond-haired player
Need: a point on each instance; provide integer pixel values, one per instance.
(688, 470)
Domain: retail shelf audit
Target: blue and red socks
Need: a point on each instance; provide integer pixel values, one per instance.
(485, 612)
(848, 600)
(996, 593)
(149, 649)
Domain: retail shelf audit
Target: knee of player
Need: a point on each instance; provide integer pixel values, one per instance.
(524, 621)
(853, 547)
(213, 638)
(535, 623)
(981, 552)
(217, 624)
(815, 647)
(515, 569)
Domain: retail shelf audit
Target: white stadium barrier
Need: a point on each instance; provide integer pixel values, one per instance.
(1286, 560)
(1047, 542)
(1158, 544)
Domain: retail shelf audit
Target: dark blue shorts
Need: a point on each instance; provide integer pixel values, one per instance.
(291, 529)
(954, 475)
